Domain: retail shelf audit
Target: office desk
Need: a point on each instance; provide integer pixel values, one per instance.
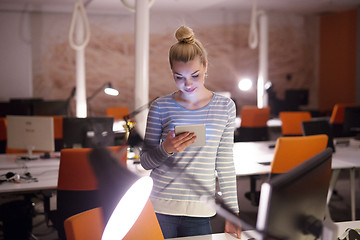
(44, 170)
(341, 227)
(254, 158)
(247, 235)
(217, 236)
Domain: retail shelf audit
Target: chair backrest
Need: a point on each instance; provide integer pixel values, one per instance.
(337, 118)
(291, 122)
(58, 127)
(291, 151)
(85, 225)
(2, 129)
(252, 116)
(3, 135)
(117, 112)
(146, 226)
(90, 225)
(337, 114)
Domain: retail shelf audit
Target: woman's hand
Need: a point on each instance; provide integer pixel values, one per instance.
(178, 143)
(231, 228)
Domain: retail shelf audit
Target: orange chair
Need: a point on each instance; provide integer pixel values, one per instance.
(253, 125)
(77, 185)
(291, 151)
(58, 132)
(291, 122)
(85, 225)
(117, 112)
(90, 225)
(337, 118)
(3, 135)
(146, 226)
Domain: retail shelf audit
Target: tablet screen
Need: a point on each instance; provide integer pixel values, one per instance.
(198, 129)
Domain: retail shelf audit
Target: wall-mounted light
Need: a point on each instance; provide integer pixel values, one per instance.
(245, 84)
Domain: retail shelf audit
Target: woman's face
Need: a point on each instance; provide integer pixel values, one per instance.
(189, 76)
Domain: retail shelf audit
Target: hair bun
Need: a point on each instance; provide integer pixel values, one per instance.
(185, 35)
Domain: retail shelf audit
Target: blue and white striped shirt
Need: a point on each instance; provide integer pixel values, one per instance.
(181, 178)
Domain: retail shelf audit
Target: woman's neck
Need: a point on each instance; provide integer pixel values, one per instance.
(195, 102)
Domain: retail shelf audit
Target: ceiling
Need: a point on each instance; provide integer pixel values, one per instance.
(117, 7)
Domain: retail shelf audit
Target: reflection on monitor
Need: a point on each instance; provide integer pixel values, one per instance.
(351, 124)
(88, 132)
(293, 204)
(30, 133)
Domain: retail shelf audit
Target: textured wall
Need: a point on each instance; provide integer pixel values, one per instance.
(110, 56)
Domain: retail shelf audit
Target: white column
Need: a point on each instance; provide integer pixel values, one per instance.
(262, 100)
(81, 105)
(79, 36)
(141, 62)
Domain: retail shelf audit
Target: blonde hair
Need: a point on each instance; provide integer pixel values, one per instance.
(187, 47)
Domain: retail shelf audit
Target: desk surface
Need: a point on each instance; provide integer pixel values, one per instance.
(246, 235)
(252, 158)
(217, 236)
(45, 171)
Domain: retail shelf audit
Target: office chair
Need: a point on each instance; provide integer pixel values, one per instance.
(77, 189)
(117, 112)
(291, 122)
(90, 225)
(85, 225)
(2, 135)
(337, 118)
(290, 152)
(58, 133)
(146, 226)
(253, 125)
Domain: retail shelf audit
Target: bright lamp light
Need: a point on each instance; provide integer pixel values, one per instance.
(128, 209)
(111, 91)
(122, 194)
(245, 84)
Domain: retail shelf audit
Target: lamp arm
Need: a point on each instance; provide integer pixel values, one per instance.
(96, 92)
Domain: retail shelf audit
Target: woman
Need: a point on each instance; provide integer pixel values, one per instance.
(182, 173)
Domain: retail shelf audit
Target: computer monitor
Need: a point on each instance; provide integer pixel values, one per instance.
(351, 125)
(88, 132)
(316, 127)
(51, 108)
(31, 133)
(293, 204)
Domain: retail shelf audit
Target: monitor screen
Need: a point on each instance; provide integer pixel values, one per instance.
(30, 133)
(351, 125)
(293, 204)
(316, 127)
(88, 132)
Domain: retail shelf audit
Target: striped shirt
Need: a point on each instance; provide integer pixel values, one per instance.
(181, 178)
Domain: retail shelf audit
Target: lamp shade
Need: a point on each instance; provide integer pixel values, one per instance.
(109, 90)
(122, 193)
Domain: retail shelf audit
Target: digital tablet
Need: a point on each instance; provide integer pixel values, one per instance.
(198, 129)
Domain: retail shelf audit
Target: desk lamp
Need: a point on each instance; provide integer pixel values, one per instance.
(108, 89)
(117, 182)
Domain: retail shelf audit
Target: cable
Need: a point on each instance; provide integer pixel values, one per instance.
(132, 7)
(79, 11)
